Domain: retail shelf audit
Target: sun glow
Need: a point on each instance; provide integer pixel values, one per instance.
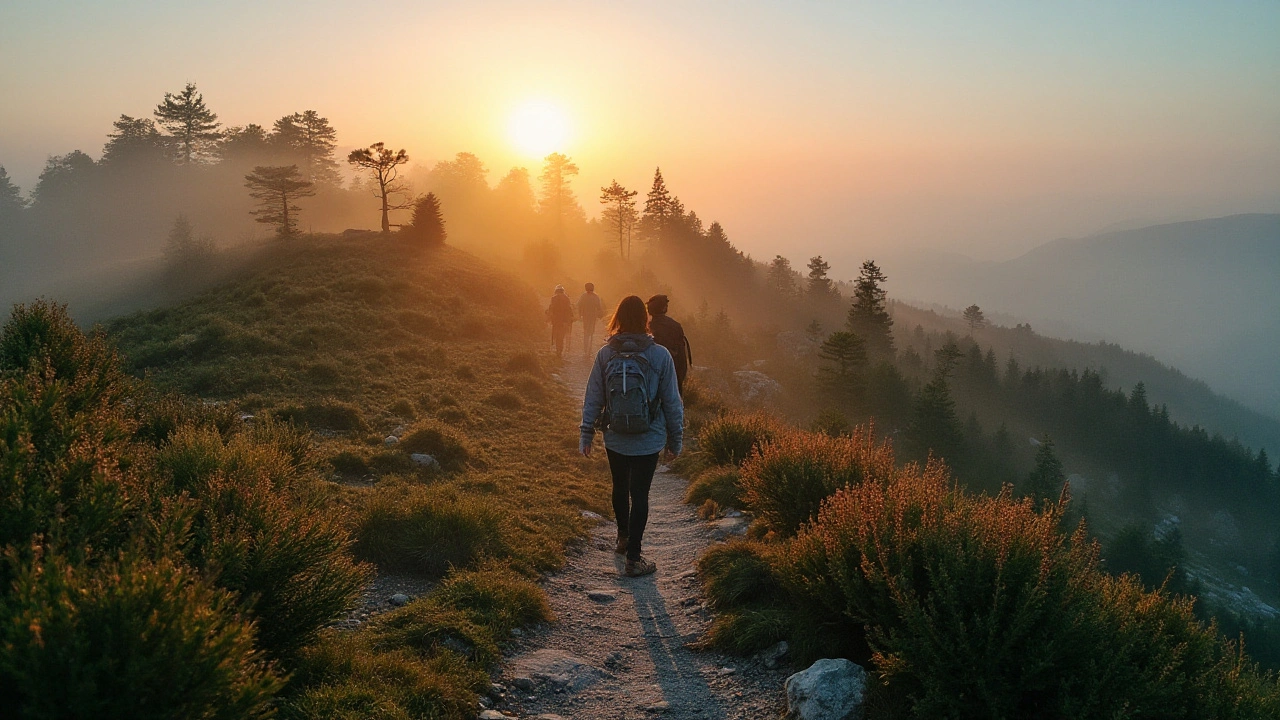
(538, 128)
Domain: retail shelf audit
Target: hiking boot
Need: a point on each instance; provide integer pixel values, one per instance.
(638, 567)
(621, 548)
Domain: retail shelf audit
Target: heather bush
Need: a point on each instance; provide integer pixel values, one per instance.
(428, 530)
(327, 414)
(788, 477)
(731, 438)
(972, 606)
(718, 483)
(127, 639)
(441, 442)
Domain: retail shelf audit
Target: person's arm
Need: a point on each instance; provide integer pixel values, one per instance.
(592, 406)
(672, 405)
(688, 349)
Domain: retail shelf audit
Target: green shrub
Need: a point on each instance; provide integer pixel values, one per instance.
(326, 415)
(130, 639)
(344, 678)
(441, 442)
(257, 530)
(786, 480)
(718, 483)
(427, 530)
(350, 463)
(524, 362)
(731, 438)
(504, 400)
(832, 423)
(979, 607)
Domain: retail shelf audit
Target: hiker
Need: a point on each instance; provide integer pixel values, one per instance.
(632, 393)
(590, 309)
(669, 334)
(560, 315)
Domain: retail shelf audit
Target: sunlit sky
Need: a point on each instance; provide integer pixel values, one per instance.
(844, 128)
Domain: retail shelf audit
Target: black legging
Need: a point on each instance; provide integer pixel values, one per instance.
(632, 476)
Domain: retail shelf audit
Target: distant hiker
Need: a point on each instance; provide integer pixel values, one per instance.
(560, 315)
(590, 309)
(669, 334)
(633, 395)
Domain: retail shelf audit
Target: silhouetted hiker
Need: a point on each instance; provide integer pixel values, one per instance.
(669, 334)
(590, 309)
(632, 393)
(560, 313)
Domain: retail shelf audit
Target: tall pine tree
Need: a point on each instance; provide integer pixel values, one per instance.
(659, 210)
(869, 315)
(191, 124)
(558, 202)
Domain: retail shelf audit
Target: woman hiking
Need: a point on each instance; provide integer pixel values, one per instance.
(632, 393)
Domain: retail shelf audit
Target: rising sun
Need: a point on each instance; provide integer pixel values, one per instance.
(538, 128)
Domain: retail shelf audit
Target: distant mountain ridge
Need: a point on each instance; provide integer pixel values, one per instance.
(1202, 295)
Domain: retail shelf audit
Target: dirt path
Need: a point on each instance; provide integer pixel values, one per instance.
(619, 647)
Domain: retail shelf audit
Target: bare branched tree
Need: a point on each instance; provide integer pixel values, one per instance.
(381, 162)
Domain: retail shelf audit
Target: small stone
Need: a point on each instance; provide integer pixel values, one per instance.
(485, 702)
(774, 655)
(424, 461)
(399, 599)
(726, 671)
(689, 601)
(523, 683)
(496, 689)
(517, 632)
(493, 715)
(547, 716)
(390, 440)
(601, 596)
(594, 517)
(659, 707)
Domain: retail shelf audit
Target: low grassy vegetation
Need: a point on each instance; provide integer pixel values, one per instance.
(963, 605)
(211, 485)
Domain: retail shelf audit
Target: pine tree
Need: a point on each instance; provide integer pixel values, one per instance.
(250, 142)
(974, 318)
(62, 179)
(619, 216)
(1044, 484)
(820, 287)
(183, 252)
(782, 277)
(135, 141)
(193, 127)
(277, 189)
(427, 225)
(934, 426)
(558, 202)
(841, 374)
(659, 210)
(382, 163)
(311, 139)
(11, 200)
(869, 315)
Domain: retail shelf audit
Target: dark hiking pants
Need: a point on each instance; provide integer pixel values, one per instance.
(632, 476)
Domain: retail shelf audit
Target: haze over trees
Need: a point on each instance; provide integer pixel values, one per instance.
(619, 216)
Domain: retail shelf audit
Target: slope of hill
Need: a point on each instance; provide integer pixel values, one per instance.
(390, 353)
(1200, 295)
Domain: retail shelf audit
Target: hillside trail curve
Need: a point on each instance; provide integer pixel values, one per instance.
(620, 647)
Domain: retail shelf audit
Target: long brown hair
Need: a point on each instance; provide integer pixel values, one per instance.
(630, 317)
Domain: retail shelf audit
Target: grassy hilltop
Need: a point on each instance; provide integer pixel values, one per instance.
(240, 430)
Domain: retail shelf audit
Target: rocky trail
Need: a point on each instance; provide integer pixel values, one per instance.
(621, 647)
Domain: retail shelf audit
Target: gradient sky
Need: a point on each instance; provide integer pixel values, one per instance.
(848, 129)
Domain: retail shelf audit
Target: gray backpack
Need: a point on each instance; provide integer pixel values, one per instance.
(628, 409)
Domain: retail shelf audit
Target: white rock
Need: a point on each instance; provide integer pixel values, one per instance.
(594, 517)
(558, 668)
(390, 440)
(399, 599)
(601, 596)
(728, 527)
(659, 707)
(756, 387)
(830, 689)
(493, 715)
(425, 461)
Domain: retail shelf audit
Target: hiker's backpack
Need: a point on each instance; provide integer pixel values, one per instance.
(627, 406)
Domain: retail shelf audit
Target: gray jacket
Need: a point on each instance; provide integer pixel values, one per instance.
(666, 429)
